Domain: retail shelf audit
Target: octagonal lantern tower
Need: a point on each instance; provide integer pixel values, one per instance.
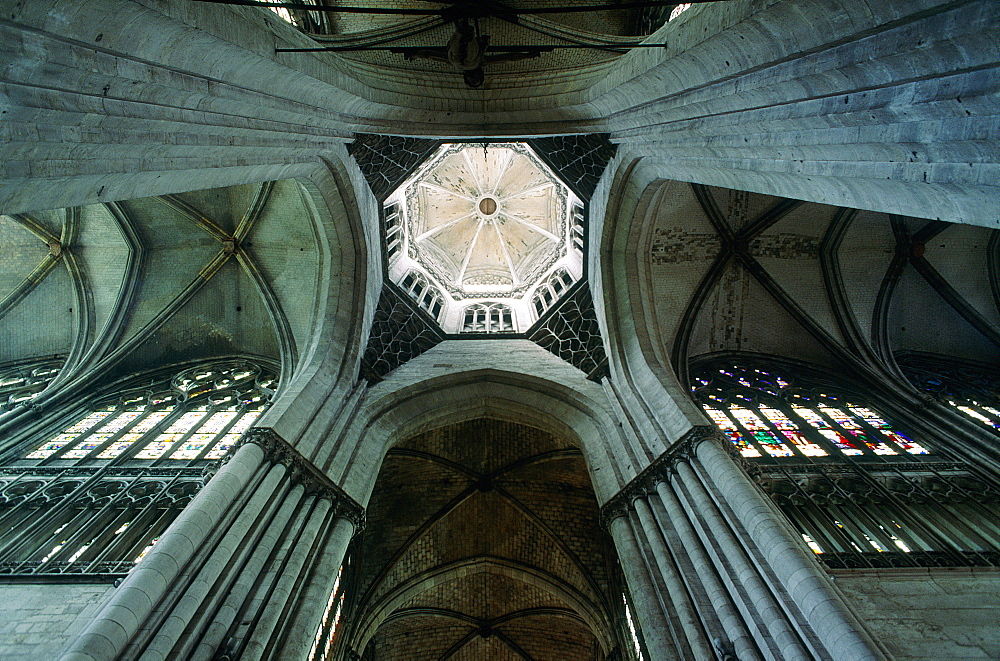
(485, 237)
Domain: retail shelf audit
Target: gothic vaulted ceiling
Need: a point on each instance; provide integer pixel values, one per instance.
(147, 282)
(735, 271)
(483, 542)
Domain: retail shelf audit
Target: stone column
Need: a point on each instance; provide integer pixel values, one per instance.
(645, 602)
(721, 586)
(110, 632)
(223, 579)
(805, 581)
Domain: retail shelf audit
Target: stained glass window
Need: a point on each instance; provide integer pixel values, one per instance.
(971, 389)
(94, 497)
(765, 415)
(859, 490)
(197, 415)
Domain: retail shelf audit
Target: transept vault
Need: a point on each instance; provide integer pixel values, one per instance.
(518, 331)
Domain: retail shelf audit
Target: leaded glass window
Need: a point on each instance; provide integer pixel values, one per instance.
(861, 490)
(94, 495)
(196, 415)
(765, 415)
(973, 390)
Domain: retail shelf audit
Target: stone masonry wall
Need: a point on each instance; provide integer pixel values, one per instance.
(928, 613)
(38, 621)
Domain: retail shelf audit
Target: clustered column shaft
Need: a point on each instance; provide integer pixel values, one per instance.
(225, 578)
(693, 522)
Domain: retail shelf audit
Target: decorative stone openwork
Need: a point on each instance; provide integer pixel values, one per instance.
(485, 225)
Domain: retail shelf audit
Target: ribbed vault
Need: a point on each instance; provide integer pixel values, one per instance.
(732, 271)
(135, 285)
(484, 542)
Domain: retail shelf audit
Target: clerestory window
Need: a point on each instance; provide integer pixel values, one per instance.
(426, 295)
(860, 491)
(488, 318)
(96, 493)
(973, 390)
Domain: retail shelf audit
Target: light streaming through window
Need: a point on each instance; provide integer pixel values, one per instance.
(765, 416)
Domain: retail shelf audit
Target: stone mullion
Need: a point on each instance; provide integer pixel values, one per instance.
(74, 530)
(44, 522)
(87, 529)
(103, 542)
(802, 518)
(908, 515)
(810, 588)
(125, 547)
(704, 572)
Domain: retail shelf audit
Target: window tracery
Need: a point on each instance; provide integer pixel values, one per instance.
(970, 389)
(96, 495)
(427, 296)
(21, 383)
(488, 318)
(859, 491)
(766, 415)
(198, 414)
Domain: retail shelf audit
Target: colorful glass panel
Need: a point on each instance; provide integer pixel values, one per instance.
(234, 433)
(760, 432)
(172, 434)
(62, 440)
(848, 423)
(820, 424)
(93, 441)
(973, 413)
(791, 431)
(723, 422)
(878, 423)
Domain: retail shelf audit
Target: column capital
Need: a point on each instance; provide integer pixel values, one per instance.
(300, 471)
(659, 470)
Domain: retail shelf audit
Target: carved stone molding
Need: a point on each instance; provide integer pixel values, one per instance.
(301, 471)
(658, 470)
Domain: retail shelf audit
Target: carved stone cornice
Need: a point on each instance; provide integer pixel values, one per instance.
(659, 470)
(301, 471)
